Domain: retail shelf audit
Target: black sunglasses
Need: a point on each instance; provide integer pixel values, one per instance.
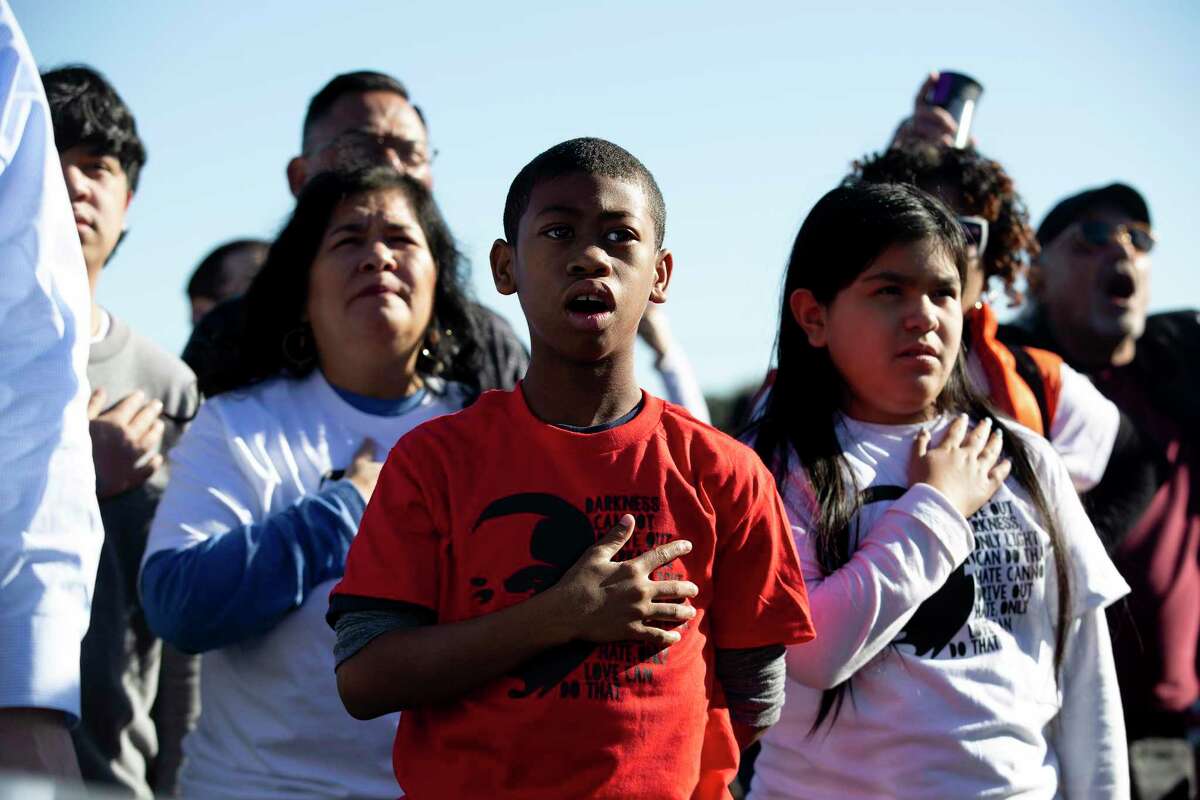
(1096, 233)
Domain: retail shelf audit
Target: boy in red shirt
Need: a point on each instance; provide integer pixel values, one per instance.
(571, 588)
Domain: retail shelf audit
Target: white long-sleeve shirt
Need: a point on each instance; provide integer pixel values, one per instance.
(50, 531)
(945, 628)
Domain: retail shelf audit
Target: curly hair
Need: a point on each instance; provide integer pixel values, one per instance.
(984, 189)
(274, 340)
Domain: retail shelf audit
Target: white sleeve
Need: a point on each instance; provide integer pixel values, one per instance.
(679, 381)
(1088, 735)
(1089, 732)
(1084, 429)
(857, 610)
(210, 491)
(1095, 581)
(50, 529)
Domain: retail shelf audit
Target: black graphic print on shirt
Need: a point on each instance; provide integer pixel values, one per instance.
(987, 595)
(557, 540)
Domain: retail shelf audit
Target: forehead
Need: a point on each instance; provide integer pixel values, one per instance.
(389, 205)
(378, 112)
(920, 261)
(585, 194)
(88, 152)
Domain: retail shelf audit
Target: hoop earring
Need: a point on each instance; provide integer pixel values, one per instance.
(299, 351)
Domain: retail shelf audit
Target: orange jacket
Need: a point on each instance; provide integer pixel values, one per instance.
(1008, 381)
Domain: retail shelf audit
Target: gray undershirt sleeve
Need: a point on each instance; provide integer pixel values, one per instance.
(753, 680)
(356, 629)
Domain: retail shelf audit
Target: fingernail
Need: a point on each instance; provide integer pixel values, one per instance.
(685, 547)
(627, 520)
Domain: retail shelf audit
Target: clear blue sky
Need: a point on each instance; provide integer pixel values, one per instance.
(746, 113)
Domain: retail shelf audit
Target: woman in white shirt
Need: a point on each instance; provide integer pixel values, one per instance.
(358, 308)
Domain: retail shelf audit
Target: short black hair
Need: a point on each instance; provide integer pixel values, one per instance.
(358, 82)
(86, 110)
(210, 280)
(589, 156)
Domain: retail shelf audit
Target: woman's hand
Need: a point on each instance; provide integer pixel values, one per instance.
(363, 471)
(602, 600)
(965, 467)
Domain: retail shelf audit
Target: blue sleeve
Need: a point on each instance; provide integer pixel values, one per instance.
(242, 582)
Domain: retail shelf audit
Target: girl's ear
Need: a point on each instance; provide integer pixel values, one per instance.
(809, 315)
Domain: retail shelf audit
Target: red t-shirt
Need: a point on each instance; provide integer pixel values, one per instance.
(478, 510)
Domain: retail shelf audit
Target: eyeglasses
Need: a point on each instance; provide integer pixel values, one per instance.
(363, 148)
(1096, 233)
(976, 231)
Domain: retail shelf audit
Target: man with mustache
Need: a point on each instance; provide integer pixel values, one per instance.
(1090, 289)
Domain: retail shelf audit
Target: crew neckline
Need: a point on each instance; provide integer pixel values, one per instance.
(381, 407)
(642, 425)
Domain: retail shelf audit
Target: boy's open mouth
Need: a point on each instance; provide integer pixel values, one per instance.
(588, 307)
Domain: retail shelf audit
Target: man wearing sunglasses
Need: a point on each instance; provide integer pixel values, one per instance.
(1090, 289)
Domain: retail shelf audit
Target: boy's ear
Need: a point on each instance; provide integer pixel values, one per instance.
(664, 265)
(503, 260)
(809, 315)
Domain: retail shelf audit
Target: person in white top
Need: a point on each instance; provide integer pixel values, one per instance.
(345, 332)
(50, 532)
(957, 586)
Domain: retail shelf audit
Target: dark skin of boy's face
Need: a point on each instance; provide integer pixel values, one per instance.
(584, 266)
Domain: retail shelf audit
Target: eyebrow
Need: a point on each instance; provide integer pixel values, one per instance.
(888, 276)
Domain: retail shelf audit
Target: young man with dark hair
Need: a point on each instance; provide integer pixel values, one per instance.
(572, 589)
(137, 701)
(1090, 289)
(225, 273)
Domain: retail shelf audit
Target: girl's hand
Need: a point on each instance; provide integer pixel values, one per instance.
(965, 467)
(601, 600)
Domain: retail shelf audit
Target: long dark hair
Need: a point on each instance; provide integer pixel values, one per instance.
(844, 233)
(275, 340)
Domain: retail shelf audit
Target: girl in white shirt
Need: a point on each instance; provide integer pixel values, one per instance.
(956, 584)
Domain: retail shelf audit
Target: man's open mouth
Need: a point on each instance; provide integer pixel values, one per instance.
(1120, 287)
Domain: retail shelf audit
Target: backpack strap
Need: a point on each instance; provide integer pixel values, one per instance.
(1027, 368)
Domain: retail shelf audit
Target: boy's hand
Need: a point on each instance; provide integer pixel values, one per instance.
(965, 467)
(125, 442)
(602, 600)
(363, 471)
